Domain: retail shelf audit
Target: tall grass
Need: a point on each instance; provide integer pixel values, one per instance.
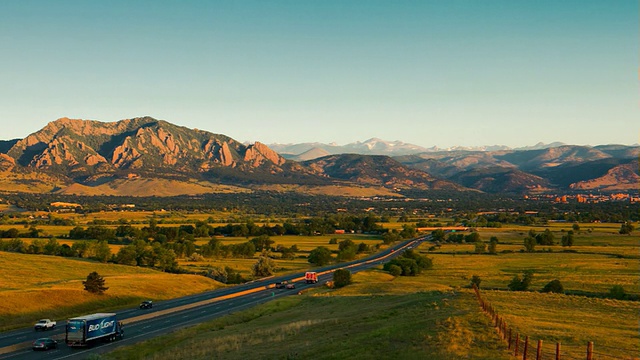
(39, 286)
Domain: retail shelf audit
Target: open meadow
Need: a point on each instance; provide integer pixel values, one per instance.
(40, 286)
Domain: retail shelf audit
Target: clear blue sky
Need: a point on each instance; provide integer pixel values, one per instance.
(426, 72)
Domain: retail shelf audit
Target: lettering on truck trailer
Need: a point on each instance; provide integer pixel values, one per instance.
(102, 325)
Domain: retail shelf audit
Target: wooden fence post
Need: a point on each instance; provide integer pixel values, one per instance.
(526, 347)
(515, 353)
(539, 350)
(590, 350)
(557, 351)
(509, 346)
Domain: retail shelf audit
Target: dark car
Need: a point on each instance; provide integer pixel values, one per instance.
(148, 304)
(44, 344)
(281, 285)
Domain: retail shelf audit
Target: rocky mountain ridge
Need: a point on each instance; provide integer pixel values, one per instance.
(146, 156)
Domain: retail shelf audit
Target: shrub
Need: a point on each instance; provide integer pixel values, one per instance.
(480, 247)
(475, 280)
(554, 286)
(341, 278)
(395, 270)
(617, 292)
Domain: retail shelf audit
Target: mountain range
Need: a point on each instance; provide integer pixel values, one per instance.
(144, 157)
(375, 146)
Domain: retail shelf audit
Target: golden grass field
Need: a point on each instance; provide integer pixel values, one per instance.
(36, 286)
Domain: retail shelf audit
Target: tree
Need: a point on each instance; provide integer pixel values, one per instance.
(347, 254)
(52, 247)
(475, 280)
(554, 286)
(262, 242)
(530, 244)
(480, 247)
(567, 240)
(95, 283)
(546, 238)
(265, 265)
(437, 235)
(493, 245)
(102, 251)
(576, 227)
(626, 229)
(341, 278)
(363, 248)
(472, 238)
(127, 255)
(320, 256)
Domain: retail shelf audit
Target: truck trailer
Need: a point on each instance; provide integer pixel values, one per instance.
(84, 330)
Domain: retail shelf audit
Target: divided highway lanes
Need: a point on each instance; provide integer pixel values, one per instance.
(170, 315)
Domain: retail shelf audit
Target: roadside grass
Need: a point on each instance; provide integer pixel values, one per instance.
(326, 325)
(573, 321)
(40, 286)
(589, 273)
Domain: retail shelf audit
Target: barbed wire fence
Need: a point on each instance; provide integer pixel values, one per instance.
(527, 349)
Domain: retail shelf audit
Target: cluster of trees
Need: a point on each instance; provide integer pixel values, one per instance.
(226, 275)
(407, 232)
(97, 250)
(521, 284)
(409, 263)
(347, 251)
(533, 239)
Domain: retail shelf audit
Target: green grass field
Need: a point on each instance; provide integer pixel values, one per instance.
(332, 325)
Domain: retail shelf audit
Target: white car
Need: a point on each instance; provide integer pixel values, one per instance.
(45, 324)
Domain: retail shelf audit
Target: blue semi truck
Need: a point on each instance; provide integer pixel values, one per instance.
(84, 330)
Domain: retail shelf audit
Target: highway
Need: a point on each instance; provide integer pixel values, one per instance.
(170, 315)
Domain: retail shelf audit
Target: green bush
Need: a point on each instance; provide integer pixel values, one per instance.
(341, 278)
(320, 256)
(554, 286)
(617, 292)
(395, 270)
(410, 262)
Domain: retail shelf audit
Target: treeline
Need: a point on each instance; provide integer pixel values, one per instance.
(463, 205)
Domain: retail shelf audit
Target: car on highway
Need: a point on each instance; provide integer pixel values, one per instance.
(282, 284)
(147, 304)
(44, 344)
(44, 324)
(290, 286)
